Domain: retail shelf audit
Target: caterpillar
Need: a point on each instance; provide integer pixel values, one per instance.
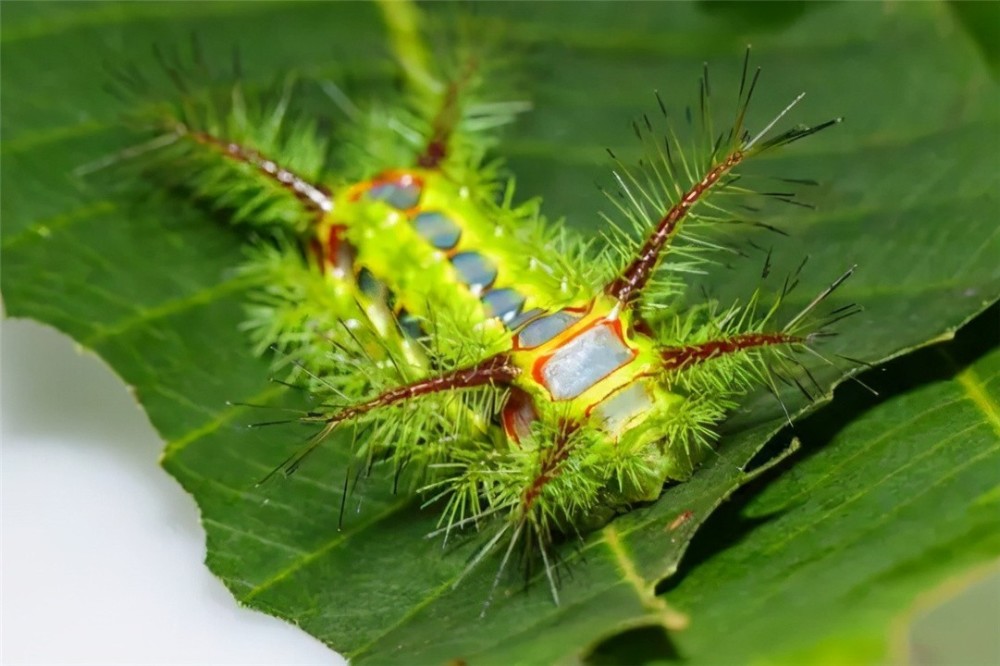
(531, 384)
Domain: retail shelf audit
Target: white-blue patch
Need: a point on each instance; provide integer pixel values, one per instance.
(584, 361)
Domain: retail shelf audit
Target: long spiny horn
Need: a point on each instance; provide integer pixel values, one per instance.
(312, 196)
(448, 117)
(496, 370)
(796, 332)
(679, 358)
(629, 284)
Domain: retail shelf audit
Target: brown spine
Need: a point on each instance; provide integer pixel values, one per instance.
(312, 196)
(627, 286)
(447, 118)
(549, 464)
(678, 358)
(496, 370)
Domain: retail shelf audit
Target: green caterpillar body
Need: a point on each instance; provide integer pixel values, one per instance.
(572, 357)
(536, 387)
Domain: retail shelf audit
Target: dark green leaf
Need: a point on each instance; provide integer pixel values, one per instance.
(891, 496)
(909, 194)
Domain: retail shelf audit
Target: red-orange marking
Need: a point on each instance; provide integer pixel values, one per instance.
(680, 520)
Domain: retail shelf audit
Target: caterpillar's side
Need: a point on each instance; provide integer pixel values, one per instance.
(536, 386)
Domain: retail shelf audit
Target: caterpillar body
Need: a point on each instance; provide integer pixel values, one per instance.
(535, 387)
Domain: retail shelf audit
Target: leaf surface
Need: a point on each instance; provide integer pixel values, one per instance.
(909, 194)
(890, 497)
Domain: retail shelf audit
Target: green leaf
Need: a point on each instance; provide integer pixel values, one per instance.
(909, 194)
(890, 496)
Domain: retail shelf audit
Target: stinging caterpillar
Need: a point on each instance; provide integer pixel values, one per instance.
(528, 383)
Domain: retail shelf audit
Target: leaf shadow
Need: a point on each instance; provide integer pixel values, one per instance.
(642, 645)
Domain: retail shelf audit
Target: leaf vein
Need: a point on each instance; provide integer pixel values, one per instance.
(42, 229)
(167, 308)
(765, 600)
(175, 446)
(975, 391)
(252, 536)
(311, 556)
(868, 450)
(838, 508)
(665, 615)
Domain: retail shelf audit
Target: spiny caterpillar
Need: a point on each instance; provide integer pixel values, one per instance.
(534, 386)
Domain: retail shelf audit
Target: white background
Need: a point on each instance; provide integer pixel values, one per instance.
(101, 552)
